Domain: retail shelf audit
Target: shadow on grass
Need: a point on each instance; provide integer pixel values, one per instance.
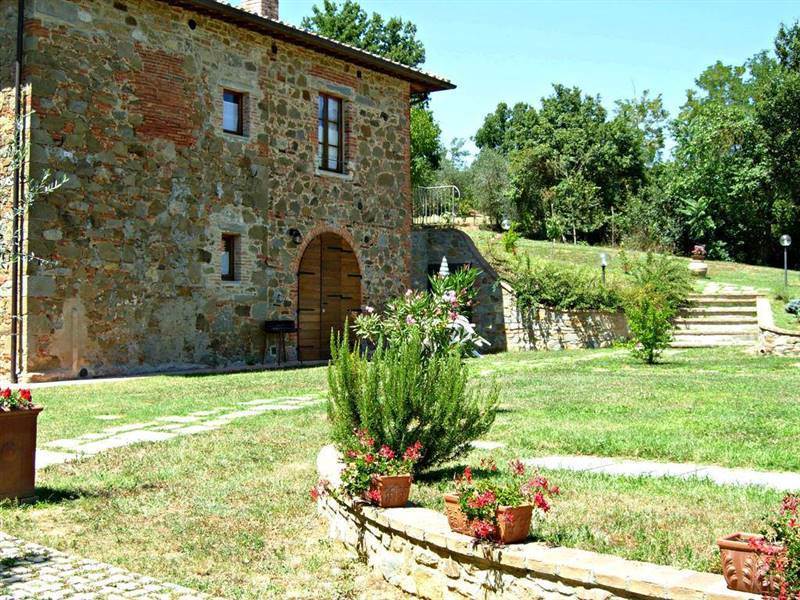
(48, 496)
(448, 474)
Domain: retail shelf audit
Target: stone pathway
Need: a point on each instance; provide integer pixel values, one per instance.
(160, 429)
(781, 481)
(31, 571)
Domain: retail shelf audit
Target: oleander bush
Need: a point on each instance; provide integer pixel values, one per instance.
(402, 395)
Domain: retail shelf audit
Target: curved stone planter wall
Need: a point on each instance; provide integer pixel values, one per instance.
(414, 549)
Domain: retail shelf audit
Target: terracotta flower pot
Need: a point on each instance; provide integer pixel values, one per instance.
(18, 453)
(743, 566)
(393, 490)
(511, 530)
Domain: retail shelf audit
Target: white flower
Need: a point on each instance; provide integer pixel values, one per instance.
(369, 310)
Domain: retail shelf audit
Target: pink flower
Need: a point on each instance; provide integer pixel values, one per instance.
(369, 458)
(410, 320)
(468, 474)
(413, 453)
(386, 452)
(540, 502)
(483, 499)
(374, 495)
(369, 310)
(314, 493)
(409, 293)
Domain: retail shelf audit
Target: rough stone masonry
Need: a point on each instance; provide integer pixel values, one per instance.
(127, 101)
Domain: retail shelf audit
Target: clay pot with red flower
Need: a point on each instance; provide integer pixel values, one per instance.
(379, 474)
(766, 563)
(498, 509)
(18, 420)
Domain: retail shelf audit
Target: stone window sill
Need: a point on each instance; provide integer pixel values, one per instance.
(334, 174)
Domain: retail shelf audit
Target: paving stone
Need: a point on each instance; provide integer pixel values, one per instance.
(179, 419)
(45, 458)
(487, 445)
(125, 439)
(107, 417)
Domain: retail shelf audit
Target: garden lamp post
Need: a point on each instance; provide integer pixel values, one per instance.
(786, 241)
(603, 265)
(505, 224)
(444, 268)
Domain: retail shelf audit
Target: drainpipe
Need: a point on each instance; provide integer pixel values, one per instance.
(16, 192)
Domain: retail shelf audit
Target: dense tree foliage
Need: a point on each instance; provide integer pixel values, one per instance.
(396, 40)
(732, 180)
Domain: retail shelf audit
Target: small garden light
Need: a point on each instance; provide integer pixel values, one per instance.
(444, 268)
(505, 224)
(786, 241)
(603, 265)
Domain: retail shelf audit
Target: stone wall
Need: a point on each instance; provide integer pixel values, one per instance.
(8, 36)
(128, 99)
(771, 339)
(544, 328)
(414, 549)
(496, 313)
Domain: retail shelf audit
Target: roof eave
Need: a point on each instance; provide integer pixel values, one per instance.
(421, 83)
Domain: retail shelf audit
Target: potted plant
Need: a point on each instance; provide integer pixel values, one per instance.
(766, 563)
(698, 264)
(499, 511)
(18, 418)
(382, 476)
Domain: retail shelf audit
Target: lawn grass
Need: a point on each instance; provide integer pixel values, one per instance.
(766, 279)
(143, 399)
(227, 512)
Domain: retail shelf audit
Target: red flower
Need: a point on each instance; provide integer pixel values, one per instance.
(6, 393)
(540, 502)
(517, 467)
(374, 495)
(25, 395)
(482, 529)
(483, 499)
(386, 452)
(314, 493)
(468, 474)
(369, 458)
(352, 454)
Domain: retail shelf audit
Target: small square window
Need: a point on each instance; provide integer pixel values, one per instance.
(230, 249)
(233, 112)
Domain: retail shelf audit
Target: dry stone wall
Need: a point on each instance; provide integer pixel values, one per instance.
(414, 549)
(128, 100)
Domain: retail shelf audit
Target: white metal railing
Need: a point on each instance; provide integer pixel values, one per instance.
(436, 204)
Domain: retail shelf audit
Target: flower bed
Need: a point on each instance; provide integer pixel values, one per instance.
(414, 549)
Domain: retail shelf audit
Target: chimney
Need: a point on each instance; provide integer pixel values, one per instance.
(262, 8)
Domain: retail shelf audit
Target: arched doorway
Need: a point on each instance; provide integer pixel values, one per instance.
(328, 292)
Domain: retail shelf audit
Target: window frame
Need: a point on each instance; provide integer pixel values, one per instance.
(232, 239)
(240, 112)
(325, 142)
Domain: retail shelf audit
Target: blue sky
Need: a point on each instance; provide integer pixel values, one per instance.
(513, 50)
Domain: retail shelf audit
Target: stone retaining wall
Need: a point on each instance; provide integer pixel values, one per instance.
(414, 549)
(771, 339)
(545, 328)
(496, 314)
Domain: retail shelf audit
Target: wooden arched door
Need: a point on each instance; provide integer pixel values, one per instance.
(329, 291)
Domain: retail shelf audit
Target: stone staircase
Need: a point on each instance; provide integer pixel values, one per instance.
(717, 319)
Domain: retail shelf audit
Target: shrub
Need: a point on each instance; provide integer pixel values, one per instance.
(404, 395)
(659, 286)
(510, 239)
(15, 400)
(439, 317)
(793, 307)
(780, 549)
(565, 288)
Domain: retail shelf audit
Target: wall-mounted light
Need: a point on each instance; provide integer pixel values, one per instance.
(296, 236)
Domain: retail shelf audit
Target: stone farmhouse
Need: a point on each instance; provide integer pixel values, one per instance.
(222, 169)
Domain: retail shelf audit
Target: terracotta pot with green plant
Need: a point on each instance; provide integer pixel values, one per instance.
(380, 476)
(18, 417)
(498, 510)
(766, 563)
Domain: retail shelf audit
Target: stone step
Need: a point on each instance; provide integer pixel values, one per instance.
(717, 319)
(717, 301)
(711, 341)
(702, 311)
(728, 295)
(716, 328)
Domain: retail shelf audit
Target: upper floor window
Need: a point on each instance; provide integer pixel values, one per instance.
(233, 112)
(330, 136)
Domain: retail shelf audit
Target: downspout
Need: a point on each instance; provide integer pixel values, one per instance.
(16, 249)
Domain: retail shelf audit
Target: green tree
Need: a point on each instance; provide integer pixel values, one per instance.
(349, 23)
(787, 46)
(426, 146)
(490, 186)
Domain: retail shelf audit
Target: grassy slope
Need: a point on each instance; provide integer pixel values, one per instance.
(227, 512)
(767, 279)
